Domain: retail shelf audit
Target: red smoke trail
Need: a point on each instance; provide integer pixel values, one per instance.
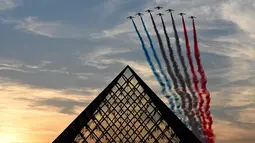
(194, 75)
(195, 80)
(197, 56)
(209, 130)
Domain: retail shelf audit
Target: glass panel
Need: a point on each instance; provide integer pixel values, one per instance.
(127, 115)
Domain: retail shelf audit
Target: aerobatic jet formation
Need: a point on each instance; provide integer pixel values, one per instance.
(160, 14)
(187, 95)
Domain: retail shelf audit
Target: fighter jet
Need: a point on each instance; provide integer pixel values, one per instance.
(158, 7)
(170, 10)
(149, 11)
(160, 14)
(181, 14)
(192, 17)
(130, 17)
(139, 14)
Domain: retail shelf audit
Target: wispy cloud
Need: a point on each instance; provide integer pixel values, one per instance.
(33, 107)
(235, 12)
(8, 4)
(126, 29)
(237, 135)
(247, 115)
(113, 32)
(19, 92)
(111, 6)
(66, 106)
(51, 29)
(98, 57)
(14, 65)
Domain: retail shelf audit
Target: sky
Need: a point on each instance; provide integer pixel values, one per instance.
(56, 56)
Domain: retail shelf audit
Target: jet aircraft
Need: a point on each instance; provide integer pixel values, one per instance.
(139, 14)
(192, 17)
(130, 17)
(158, 7)
(170, 10)
(160, 14)
(181, 14)
(149, 11)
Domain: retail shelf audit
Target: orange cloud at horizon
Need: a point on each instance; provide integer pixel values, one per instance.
(21, 123)
(230, 133)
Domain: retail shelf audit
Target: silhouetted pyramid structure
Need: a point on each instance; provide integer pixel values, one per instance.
(127, 110)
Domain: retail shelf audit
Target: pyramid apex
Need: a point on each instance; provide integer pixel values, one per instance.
(128, 67)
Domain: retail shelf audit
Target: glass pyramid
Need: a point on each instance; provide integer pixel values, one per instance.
(126, 111)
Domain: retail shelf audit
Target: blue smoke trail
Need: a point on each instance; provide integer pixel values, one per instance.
(156, 56)
(177, 103)
(157, 75)
(150, 61)
(159, 63)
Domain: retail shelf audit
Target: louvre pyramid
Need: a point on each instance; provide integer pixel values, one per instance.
(127, 111)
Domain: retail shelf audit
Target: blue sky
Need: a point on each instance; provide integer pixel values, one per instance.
(57, 55)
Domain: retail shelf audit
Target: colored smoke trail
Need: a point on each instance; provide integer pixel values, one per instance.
(209, 131)
(178, 46)
(197, 56)
(188, 109)
(161, 46)
(187, 79)
(155, 54)
(153, 68)
(194, 77)
(171, 53)
(149, 59)
(170, 72)
(159, 63)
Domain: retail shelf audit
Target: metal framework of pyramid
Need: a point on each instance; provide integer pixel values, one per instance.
(127, 110)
